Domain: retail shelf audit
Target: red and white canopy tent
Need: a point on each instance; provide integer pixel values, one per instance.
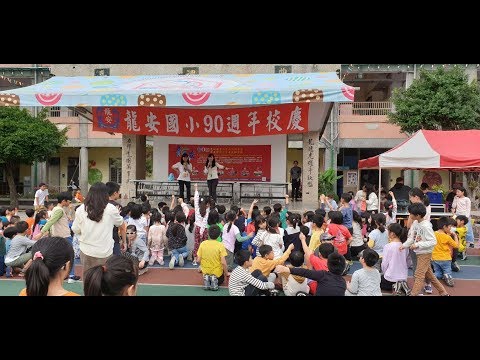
(457, 150)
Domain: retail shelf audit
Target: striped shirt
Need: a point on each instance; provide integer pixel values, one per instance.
(240, 278)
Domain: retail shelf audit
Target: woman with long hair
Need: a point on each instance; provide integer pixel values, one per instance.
(94, 222)
(211, 170)
(184, 169)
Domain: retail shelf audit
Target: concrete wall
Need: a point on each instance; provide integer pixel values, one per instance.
(93, 138)
(278, 152)
(99, 155)
(368, 126)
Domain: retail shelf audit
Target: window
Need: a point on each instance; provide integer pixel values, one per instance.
(55, 111)
(102, 72)
(283, 69)
(115, 170)
(191, 70)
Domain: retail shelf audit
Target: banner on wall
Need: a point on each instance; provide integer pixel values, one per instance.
(226, 122)
(244, 162)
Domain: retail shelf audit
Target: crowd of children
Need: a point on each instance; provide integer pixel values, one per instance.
(252, 248)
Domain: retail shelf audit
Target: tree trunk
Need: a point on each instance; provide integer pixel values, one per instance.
(11, 184)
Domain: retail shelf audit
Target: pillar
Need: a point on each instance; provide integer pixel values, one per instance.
(471, 72)
(133, 164)
(41, 173)
(310, 170)
(83, 170)
(409, 79)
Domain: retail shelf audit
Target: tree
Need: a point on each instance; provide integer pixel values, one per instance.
(439, 100)
(25, 139)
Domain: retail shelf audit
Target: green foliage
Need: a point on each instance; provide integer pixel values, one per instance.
(440, 189)
(327, 181)
(149, 161)
(437, 100)
(25, 138)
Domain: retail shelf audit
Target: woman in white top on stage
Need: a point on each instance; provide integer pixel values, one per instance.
(183, 169)
(211, 170)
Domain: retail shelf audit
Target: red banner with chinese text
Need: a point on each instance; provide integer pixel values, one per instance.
(244, 162)
(226, 122)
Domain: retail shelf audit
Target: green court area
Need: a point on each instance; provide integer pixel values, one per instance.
(13, 287)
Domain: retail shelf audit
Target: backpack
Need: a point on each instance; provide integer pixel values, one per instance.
(340, 243)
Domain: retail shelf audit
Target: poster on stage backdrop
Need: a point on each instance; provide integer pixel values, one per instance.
(227, 122)
(244, 162)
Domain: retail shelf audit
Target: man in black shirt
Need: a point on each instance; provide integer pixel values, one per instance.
(295, 179)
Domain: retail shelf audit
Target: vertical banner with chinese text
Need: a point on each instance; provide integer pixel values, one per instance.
(244, 162)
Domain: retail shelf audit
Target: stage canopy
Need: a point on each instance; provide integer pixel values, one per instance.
(431, 149)
(181, 90)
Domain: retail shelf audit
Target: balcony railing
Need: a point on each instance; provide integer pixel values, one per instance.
(365, 108)
(57, 111)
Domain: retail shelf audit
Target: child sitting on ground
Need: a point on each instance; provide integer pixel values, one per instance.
(17, 256)
(9, 233)
(293, 284)
(265, 262)
(30, 221)
(118, 277)
(211, 256)
(365, 281)
(330, 283)
(51, 264)
(138, 250)
(244, 283)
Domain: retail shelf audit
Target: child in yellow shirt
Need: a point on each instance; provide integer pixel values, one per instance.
(461, 230)
(442, 252)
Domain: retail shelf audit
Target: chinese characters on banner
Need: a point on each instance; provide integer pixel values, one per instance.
(310, 167)
(244, 163)
(128, 158)
(229, 122)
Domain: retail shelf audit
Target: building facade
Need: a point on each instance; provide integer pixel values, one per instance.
(355, 130)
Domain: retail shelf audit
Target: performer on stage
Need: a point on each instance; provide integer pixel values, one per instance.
(211, 170)
(183, 169)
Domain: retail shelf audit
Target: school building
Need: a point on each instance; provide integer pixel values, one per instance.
(354, 131)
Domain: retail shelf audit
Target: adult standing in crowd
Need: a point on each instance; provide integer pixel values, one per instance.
(400, 190)
(183, 169)
(295, 179)
(211, 170)
(94, 221)
(41, 195)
